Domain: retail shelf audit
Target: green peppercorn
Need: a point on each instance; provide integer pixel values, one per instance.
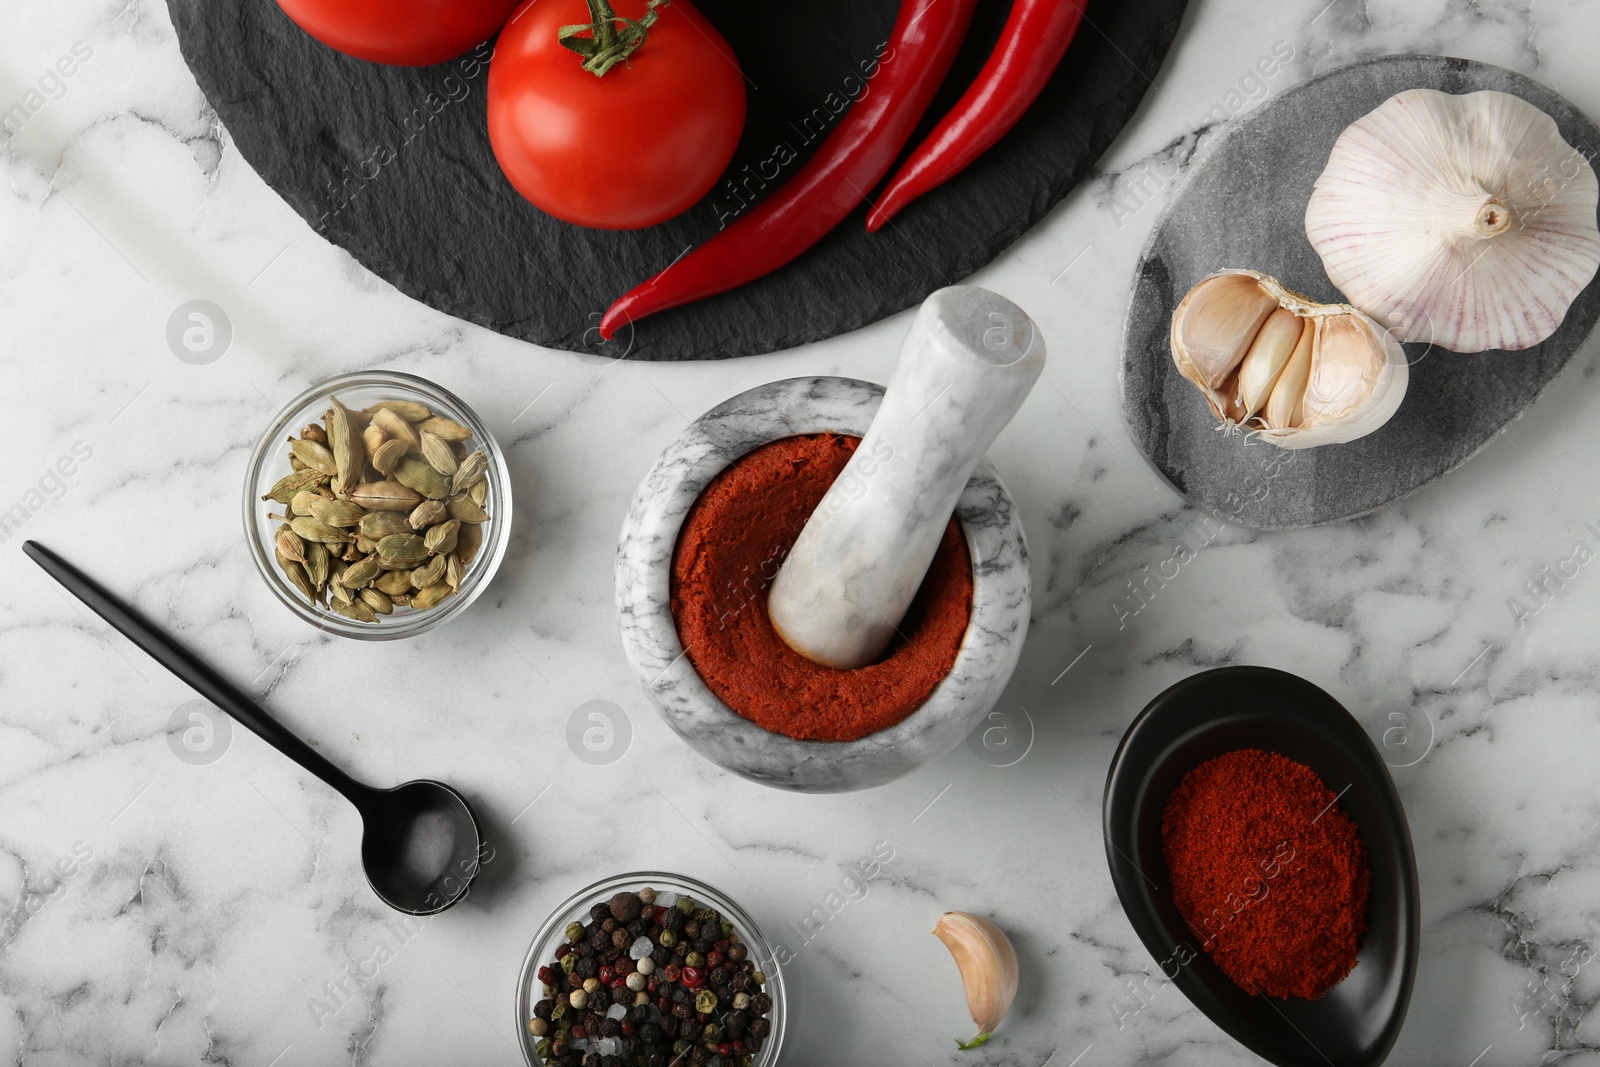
(568, 962)
(574, 931)
(686, 905)
(705, 1001)
(695, 959)
(668, 938)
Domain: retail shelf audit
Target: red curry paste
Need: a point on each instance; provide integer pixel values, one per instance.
(732, 542)
(1268, 872)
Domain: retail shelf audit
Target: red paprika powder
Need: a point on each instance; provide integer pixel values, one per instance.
(1268, 871)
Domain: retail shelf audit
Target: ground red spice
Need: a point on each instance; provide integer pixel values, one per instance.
(1268, 872)
(732, 542)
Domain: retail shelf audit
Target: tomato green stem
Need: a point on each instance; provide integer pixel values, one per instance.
(601, 44)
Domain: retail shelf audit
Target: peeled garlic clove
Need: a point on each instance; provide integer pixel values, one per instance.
(1265, 360)
(1462, 221)
(1310, 374)
(988, 966)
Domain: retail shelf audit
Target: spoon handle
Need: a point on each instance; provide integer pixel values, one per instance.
(183, 663)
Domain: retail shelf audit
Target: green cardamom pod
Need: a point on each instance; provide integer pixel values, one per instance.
(418, 475)
(354, 609)
(394, 426)
(314, 456)
(470, 472)
(348, 454)
(438, 454)
(290, 484)
(431, 597)
(387, 456)
(386, 496)
(297, 576)
(409, 410)
(312, 530)
(468, 542)
(441, 539)
(431, 573)
(393, 583)
(376, 525)
(289, 545)
(441, 427)
(318, 564)
(401, 550)
(361, 573)
(466, 509)
(337, 512)
(427, 513)
(377, 601)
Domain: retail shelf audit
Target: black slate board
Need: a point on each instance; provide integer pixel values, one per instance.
(1244, 206)
(441, 223)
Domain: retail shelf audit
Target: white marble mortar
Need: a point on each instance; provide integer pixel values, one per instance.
(1002, 599)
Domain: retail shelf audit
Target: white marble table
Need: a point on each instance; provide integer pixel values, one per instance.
(215, 911)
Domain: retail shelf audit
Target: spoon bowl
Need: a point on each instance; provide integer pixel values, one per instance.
(1355, 1023)
(420, 846)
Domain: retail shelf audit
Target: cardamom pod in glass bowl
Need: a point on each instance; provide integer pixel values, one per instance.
(377, 505)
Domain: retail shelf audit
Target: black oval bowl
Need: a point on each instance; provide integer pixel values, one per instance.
(1356, 1022)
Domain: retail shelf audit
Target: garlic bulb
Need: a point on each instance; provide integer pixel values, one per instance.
(988, 966)
(1292, 371)
(1464, 221)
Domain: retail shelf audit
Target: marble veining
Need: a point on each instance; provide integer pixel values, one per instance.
(156, 910)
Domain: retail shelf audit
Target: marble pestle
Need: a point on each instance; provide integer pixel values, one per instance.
(966, 366)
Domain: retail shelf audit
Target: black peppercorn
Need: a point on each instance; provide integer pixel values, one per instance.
(622, 995)
(760, 1004)
(625, 907)
(587, 968)
(610, 1028)
(599, 911)
(541, 1010)
(759, 1028)
(737, 952)
(681, 1011)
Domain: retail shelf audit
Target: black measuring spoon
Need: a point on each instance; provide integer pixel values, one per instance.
(420, 843)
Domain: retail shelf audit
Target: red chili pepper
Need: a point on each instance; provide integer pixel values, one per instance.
(833, 182)
(1035, 37)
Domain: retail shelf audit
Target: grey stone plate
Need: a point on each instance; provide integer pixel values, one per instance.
(1244, 206)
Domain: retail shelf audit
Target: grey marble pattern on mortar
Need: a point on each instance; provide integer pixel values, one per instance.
(1244, 206)
(1002, 599)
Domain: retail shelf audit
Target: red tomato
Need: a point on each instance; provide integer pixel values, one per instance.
(629, 149)
(408, 33)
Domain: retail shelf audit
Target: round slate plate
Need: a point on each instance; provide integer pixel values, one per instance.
(394, 165)
(1244, 206)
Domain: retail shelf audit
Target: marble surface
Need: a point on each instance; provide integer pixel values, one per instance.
(158, 908)
(977, 680)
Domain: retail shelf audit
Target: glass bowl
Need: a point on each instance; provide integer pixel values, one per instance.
(270, 462)
(576, 908)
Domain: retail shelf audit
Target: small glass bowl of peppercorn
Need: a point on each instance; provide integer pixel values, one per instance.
(650, 969)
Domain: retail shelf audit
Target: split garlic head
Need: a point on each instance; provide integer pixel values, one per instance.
(1277, 364)
(1464, 221)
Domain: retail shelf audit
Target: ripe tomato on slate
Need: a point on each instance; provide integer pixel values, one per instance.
(407, 33)
(628, 148)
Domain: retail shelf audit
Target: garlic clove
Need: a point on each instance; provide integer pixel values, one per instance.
(1269, 352)
(1284, 406)
(1309, 374)
(988, 965)
(1212, 327)
(1463, 221)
